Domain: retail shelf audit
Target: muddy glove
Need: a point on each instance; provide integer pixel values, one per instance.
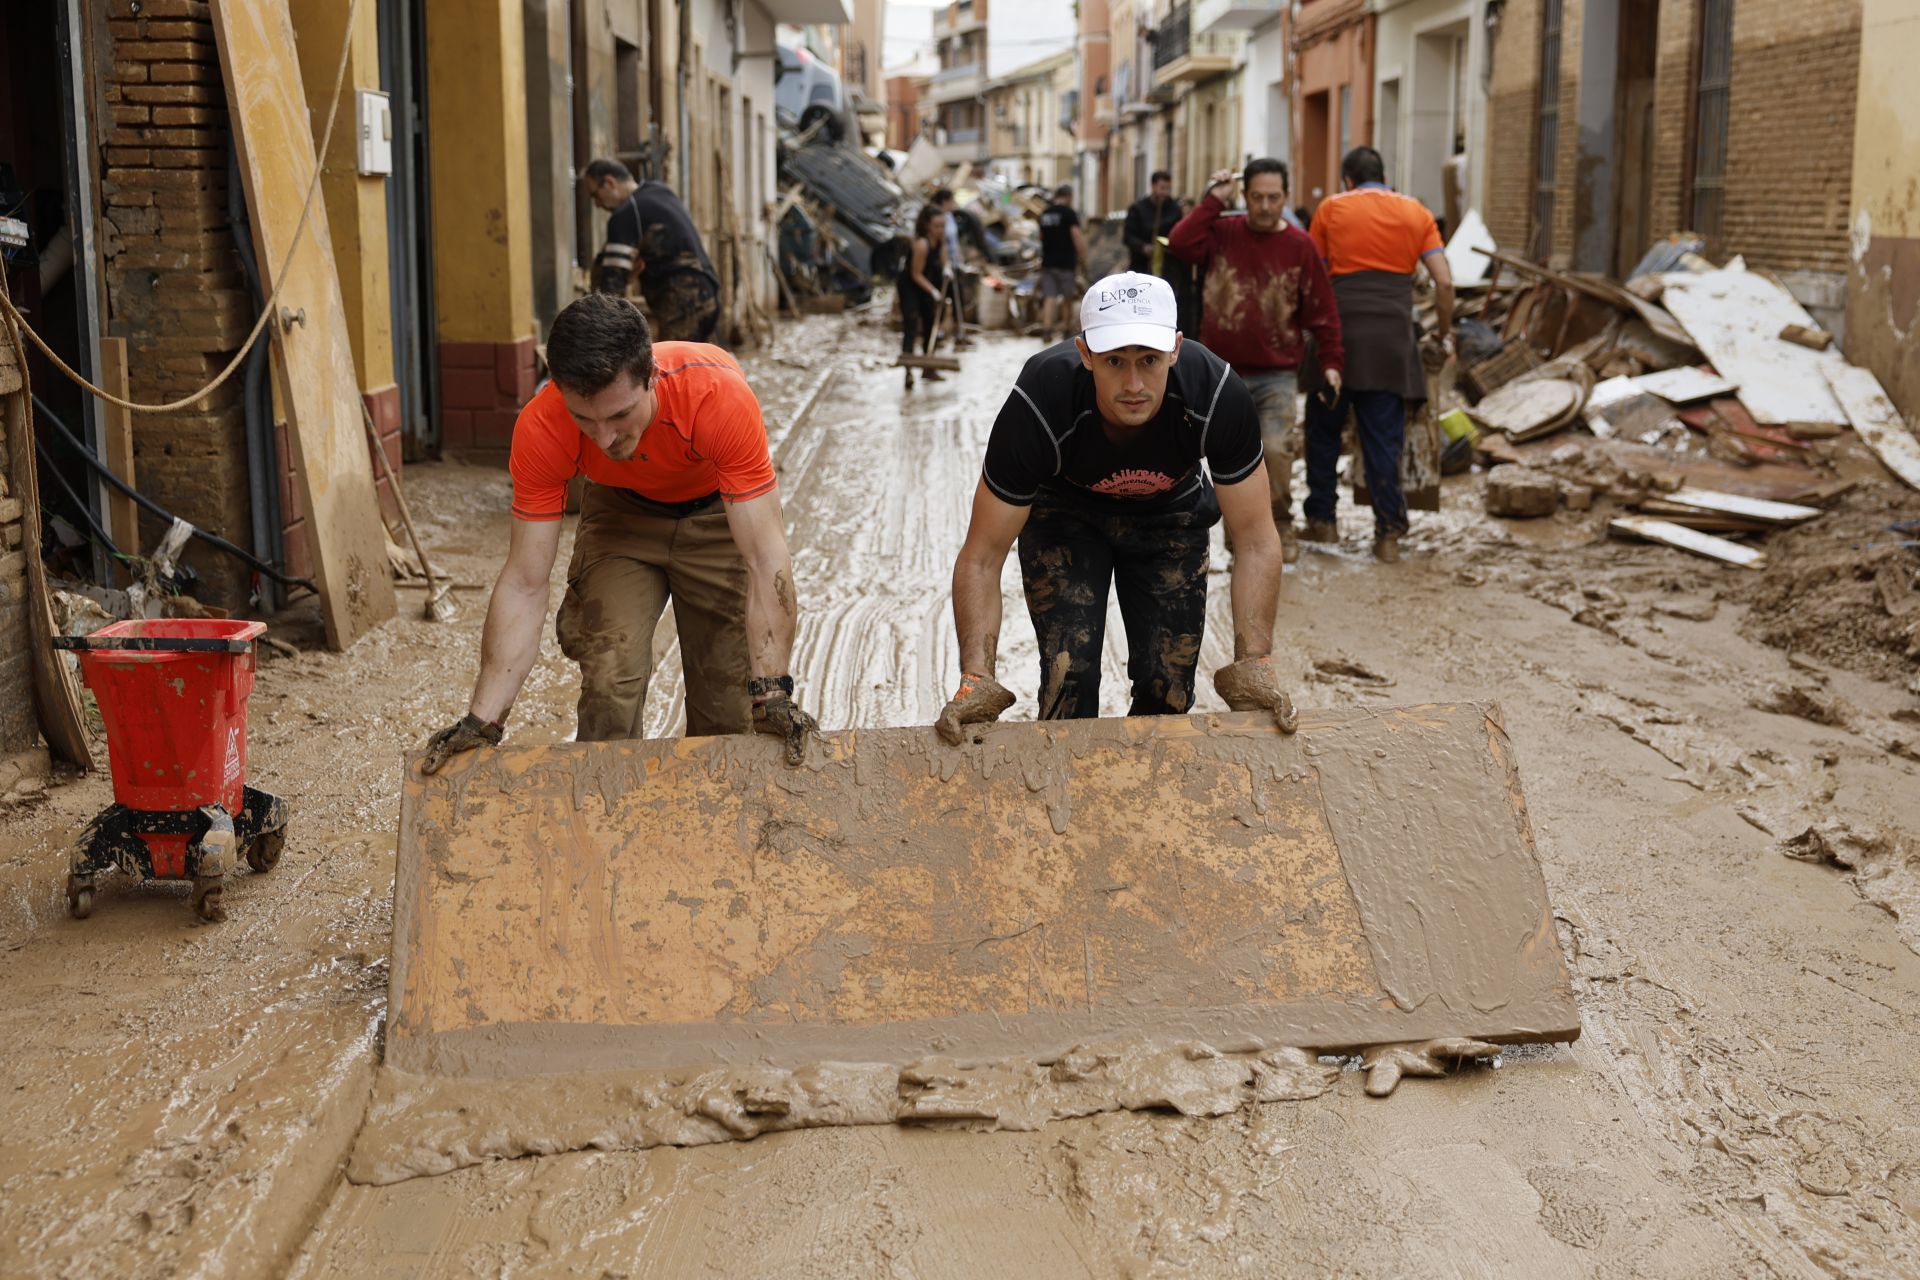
(1385, 1064)
(1249, 685)
(780, 718)
(980, 700)
(465, 734)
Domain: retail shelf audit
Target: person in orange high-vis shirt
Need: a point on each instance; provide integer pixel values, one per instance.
(1373, 239)
(681, 505)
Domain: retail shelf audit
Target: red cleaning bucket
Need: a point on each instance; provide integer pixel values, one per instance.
(173, 694)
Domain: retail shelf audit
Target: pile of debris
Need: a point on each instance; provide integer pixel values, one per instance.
(1704, 399)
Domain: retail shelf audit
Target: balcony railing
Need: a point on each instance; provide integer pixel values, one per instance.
(963, 137)
(952, 75)
(1172, 38)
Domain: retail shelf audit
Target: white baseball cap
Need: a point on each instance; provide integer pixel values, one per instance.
(1131, 309)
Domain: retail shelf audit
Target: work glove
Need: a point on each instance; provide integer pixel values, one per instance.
(466, 733)
(1249, 685)
(1385, 1064)
(980, 700)
(778, 717)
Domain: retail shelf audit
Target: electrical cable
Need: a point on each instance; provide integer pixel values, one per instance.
(213, 540)
(100, 535)
(266, 312)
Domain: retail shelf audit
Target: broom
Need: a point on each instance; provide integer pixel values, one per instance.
(440, 606)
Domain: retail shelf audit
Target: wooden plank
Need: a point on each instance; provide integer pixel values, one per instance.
(1701, 544)
(1734, 504)
(590, 906)
(56, 693)
(1879, 423)
(123, 514)
(267, 110)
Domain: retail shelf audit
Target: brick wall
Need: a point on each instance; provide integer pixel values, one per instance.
(482, 386)
(175, 289)
(1790, 143)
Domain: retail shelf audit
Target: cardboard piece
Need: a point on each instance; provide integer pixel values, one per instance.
(267, 110)
(1467, 264)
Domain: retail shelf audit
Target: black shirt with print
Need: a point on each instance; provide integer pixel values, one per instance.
(1051, 441)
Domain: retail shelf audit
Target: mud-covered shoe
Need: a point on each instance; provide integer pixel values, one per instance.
(1289, 547)
(1386, 548)
(1321, 531)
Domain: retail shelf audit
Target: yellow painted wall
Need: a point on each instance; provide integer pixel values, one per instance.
(1886, 146)
(356, 206)
(477, 122)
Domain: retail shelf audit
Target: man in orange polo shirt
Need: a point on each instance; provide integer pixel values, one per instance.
(682, 505)
(1373, 239)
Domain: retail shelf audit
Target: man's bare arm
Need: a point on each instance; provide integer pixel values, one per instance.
(516, 615)
(1255, 584)
(772, 606)
(1436, 265)
(976, 579)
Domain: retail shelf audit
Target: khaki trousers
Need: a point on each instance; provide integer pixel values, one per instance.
(628, 561)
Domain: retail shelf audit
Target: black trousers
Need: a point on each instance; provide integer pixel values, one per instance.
(918, 310)
(1156, 562)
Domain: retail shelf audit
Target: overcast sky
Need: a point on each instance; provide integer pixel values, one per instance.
(1019, 31)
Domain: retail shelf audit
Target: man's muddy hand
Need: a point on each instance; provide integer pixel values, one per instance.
(1386, 1064)
(464, 734)
(780, 718)
(1249, 685)
(980, 699)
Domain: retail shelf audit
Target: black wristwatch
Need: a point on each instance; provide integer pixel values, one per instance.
(760, 686)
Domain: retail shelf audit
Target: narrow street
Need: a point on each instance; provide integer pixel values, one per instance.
(1740, 1101)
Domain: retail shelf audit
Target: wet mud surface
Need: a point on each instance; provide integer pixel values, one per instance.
(1724, 828)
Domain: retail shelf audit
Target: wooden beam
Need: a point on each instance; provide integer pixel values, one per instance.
(267, 111)
(123, 516)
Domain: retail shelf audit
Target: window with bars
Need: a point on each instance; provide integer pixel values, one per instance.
(1547, 136)
(1710, 118)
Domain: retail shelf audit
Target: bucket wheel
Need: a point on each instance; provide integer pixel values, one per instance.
(263, 851)
(79, 897)
(207, 894)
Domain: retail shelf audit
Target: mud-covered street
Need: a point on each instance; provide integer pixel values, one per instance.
(1702, 750)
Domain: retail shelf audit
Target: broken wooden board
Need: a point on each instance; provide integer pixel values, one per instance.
(267, 110)
(615, 905)
(1743, 507)
(1877, 421)
(1685, 539)
(56, 690)
(1735, 317)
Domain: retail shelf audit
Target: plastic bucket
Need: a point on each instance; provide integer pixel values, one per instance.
(173, 694)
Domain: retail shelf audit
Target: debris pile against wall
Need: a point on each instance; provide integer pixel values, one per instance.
(175, 287)
(1704, 400)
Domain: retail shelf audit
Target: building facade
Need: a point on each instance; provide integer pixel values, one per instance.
(1029, 137)
(1616, 122)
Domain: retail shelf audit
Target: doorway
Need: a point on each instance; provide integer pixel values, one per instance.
(1633, 101)
(403, 77)
(1315, 137)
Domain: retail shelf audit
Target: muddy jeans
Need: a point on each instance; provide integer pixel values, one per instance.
(685, 307)
(629, 559)
(1157, 563)
(1380, 422)
(1276, 400)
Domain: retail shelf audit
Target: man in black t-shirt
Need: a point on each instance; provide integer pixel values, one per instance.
(1095, 465)
(650, 233)
(1063, 253)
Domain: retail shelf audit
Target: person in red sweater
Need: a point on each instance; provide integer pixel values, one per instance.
(1266, 289)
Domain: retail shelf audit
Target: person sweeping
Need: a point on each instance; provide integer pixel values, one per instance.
(922, 277)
